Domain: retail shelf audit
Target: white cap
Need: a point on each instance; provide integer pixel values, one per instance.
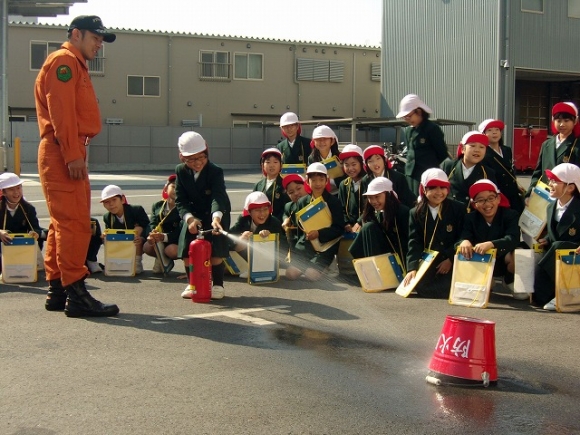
(191, 143)
(272, 151)
(8, 180)
(411, 102)
(324, 131)
(379, 185)
(256, 199)
(317, 168)
(110, 191)
(565, 172)
(434, 177)
(350, 150)
(288, 118)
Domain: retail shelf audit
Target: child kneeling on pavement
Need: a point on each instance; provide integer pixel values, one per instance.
(493, 225)
(563, 224)
(256, 218)
(122, 216)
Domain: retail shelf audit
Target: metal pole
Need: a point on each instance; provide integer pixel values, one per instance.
(4, 84)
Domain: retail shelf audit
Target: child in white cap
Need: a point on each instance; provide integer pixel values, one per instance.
(435, 224)
(385, 220)
(16, 214)
(493, 225)
(203, 202)
(295, 148)
(325, 146)
(122, 216)
(308, 261)
(563, 224)
(271, 184)
(256, 218)
(500, 158)
(562, 147)
(468, 167)
(426, 147)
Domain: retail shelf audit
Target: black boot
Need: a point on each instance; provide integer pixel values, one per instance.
(80, 303)
(56, 296)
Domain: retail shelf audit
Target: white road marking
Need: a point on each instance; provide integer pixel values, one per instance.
(232, 314)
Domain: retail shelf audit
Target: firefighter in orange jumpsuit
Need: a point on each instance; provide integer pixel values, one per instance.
(68, 117)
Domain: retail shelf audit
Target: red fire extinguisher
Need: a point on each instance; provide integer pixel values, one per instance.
(200, 268)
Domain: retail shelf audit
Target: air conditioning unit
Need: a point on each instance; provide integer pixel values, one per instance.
(114, 121)
(190, 123)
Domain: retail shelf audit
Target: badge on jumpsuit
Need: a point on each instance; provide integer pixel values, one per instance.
(63, 73)
(277, 195)
(208, 192)
(300, 158)
(422, 140)
(566, 159)
(572, 232)
(449, 228)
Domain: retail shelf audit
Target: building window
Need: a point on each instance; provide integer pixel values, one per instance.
(39, 51)
(320, 70)
(536, 6)
(142, 86)
(214, 65)
(375, 71)
(574, 8)
(248, 66)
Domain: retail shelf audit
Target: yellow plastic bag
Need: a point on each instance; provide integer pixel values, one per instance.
(19, 259)
(378, 273)
(567, 281)
(316, 216)
(471, 282)
(120, 251)
(427, 259)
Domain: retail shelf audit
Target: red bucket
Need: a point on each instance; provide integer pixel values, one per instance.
(466, 350)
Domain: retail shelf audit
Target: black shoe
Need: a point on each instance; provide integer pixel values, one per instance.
(56, 296)
(80, 303)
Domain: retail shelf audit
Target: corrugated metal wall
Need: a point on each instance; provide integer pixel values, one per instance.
(446, 52)
(547, 41)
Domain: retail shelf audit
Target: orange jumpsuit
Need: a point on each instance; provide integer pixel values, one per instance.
(68, 116)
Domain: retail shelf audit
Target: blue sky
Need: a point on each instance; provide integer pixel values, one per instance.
(335, 21)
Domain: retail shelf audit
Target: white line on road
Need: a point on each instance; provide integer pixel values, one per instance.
(232, 314)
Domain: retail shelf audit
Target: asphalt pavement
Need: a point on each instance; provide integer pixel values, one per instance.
(281, 358)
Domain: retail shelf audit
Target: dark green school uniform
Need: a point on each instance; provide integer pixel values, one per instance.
(171, 221)
(336, 229)
(561, 235)
(372, 239)
(426, 148)
(133, 215)
(504, 233)
(201, 198)
(567, 152)
(352, 202)
(400, 186)
(297, 153)
(290, 210)
(505, 175)
(459, 186)
(23, 221)
(276, 194)
(439, 234)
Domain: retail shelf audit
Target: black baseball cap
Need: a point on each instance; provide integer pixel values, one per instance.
(93, 24)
